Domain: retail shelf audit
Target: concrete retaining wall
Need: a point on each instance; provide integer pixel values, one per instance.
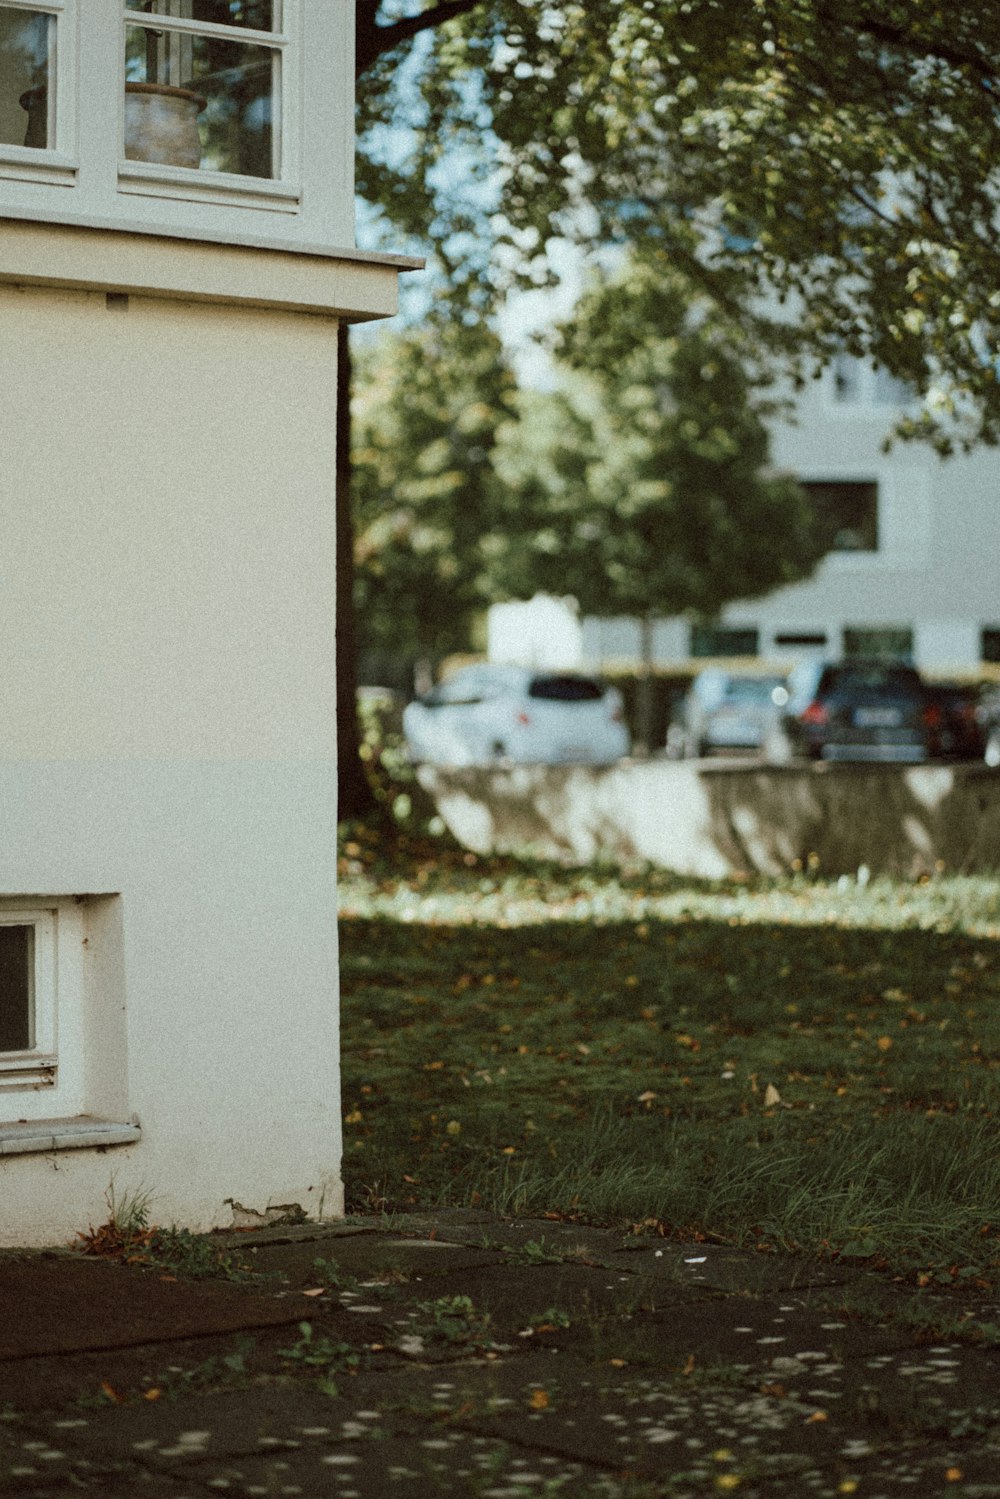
(715, 819)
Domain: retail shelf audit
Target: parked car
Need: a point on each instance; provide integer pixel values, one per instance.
(856, 710)
(961, 732)
(487, 714)
(726, 711)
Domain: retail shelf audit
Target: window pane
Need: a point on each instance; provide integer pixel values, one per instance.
(201, 102)
(26, 42)
(887, 642)
(723, 640)
(846, 512)
(16, 964)
(258, 14)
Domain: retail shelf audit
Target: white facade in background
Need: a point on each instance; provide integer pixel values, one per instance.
(543, 632)
(168, 336)
(924, 580)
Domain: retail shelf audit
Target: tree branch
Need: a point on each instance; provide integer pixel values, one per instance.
(374, 41)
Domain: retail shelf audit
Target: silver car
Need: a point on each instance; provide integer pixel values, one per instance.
(488, 714)
(726, 711)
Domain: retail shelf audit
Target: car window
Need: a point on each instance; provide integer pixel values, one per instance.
(887, 679)
(754, 690)
(566, 689)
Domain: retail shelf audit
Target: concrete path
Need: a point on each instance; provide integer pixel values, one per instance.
(458, 1354)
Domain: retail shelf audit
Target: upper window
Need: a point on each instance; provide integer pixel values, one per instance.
(36, 125)
(179, 116)
(860, 382)
(846, 511)
(203, 86)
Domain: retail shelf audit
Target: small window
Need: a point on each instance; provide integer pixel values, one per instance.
(846, 511)
(882, 642)
(27, 999)
(27, 76)
(802, 641)
(721, 640)
(989, 648)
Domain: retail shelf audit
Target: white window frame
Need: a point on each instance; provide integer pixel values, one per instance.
(57, 162)
(48, 1079)
(281, 191)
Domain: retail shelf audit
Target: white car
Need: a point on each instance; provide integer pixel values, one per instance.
(484, 715)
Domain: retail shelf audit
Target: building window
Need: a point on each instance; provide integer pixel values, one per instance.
(860, 382)
(203, 86)
(42, 1071)
(35, 87)
(846, 511)
(802, 639)
(723, 640)
(989, 644)
(885, 642)
(27, 999)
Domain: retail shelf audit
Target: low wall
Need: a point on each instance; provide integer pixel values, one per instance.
(713, 818)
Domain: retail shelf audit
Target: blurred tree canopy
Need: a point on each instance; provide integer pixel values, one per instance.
(426, 417)
(642, 486)
(843, 155)
(825, 171)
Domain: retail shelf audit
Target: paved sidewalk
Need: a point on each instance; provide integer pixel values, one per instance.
(458, 1354)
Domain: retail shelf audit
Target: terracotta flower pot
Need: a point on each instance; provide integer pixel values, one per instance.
(161, 123)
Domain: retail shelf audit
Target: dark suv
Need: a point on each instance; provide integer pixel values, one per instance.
(856, 710)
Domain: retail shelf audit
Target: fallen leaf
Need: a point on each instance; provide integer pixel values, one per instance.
(689, 1366)
(314, 1291)
(539, 1400)
(884, 1043)
(111, 1392)
(816, 1416)
(617, 1363)
(771, 1096)
(153, 1394)
(953, 1475)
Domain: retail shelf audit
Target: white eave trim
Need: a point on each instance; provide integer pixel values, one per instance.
(340, 283)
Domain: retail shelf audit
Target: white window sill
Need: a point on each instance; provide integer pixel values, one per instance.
(83, 1132)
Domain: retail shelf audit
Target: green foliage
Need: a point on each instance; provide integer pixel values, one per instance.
(642, 485)
(424, 486)
(836, 156)
(451, 1319)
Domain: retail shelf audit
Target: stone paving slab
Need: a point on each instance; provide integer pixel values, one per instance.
(69, 1304)
(667, 1372)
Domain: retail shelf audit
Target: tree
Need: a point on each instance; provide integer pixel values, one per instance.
(424, 485)
(643, 487)
(841, 155)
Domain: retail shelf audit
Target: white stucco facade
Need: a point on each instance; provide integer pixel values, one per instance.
(167, 733)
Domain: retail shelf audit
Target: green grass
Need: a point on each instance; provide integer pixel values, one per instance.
(532, 1039)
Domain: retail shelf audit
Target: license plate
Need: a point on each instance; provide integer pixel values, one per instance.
(878, 718)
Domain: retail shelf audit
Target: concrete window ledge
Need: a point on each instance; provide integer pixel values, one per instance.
(80, 1133)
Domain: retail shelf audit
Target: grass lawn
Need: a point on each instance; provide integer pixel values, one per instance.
(798, 1064)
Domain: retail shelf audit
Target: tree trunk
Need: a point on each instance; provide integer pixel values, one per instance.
(644, 689)
(354, 794)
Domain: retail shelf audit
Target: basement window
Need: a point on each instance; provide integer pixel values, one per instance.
(41, 1008)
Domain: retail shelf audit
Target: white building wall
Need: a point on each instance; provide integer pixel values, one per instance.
(167, 740)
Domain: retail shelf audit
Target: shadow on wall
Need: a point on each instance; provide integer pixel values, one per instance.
(716, 820)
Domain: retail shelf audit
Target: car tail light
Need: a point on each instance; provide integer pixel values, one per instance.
(522, 718)
(931, 716)
(815, 714)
